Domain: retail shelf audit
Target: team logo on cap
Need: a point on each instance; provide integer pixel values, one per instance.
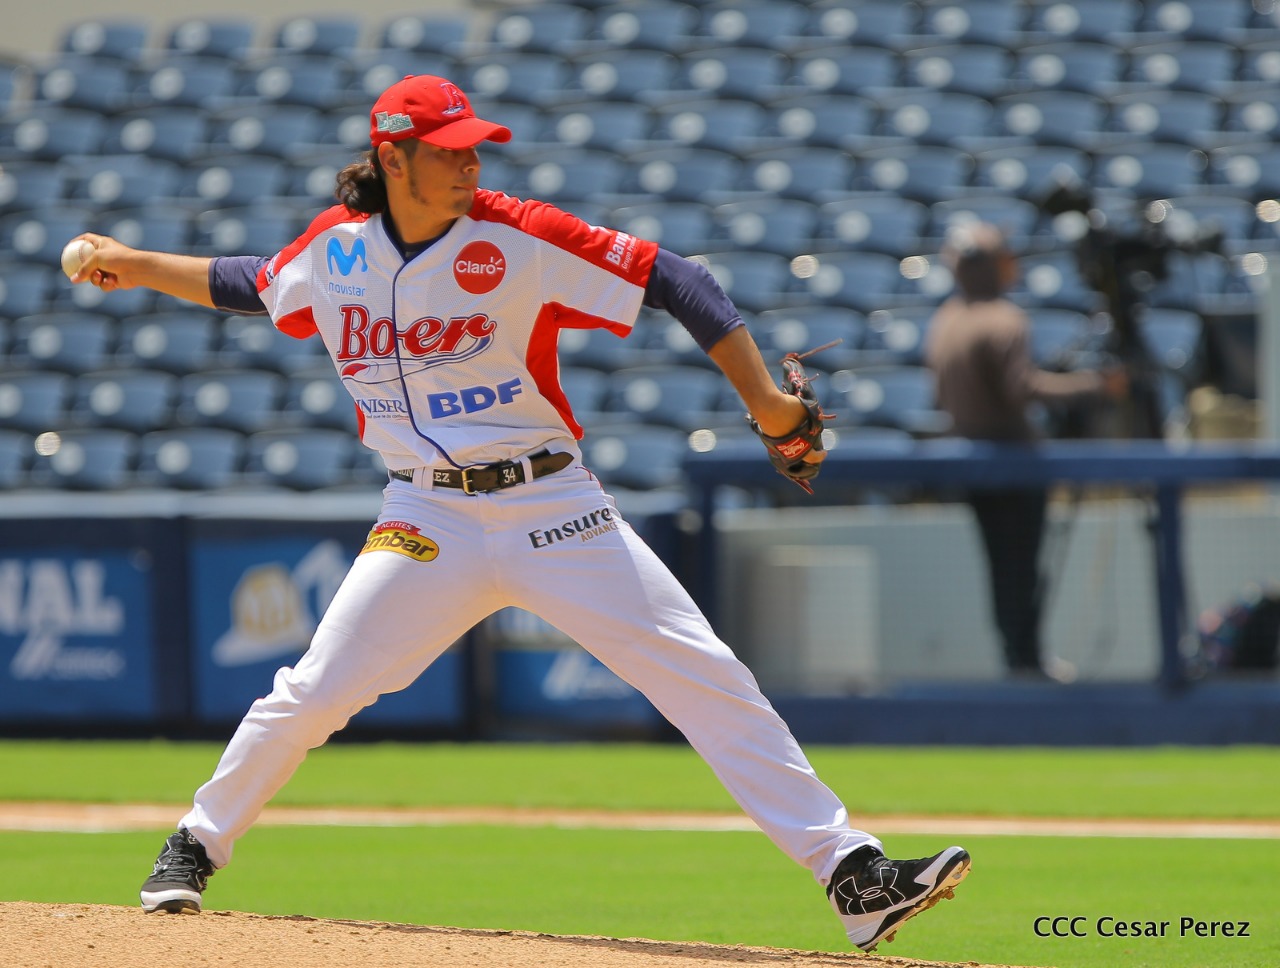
(393, 123)
(456, 101)
(479, 267)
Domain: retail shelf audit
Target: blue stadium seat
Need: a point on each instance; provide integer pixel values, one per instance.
(181, 81)
(136, 400)
(969, 68)
(16, 455)
(1057, 337)
(640, 457)
(255, 230)
(876, 23)
(872, 222)
(34, 401)
(865, 281)
(1206, 66)
(302, 460)
(12, 77)
(155, 228)
(773, 24)
(1031, 172)
(896, 336)
(824, 120)
(263, 129)
(244, 400)
(682, 174)
(67, 342)
(936, 117)
(39, 236)
(669, 342)
(601, 350)
(296, 80)
(49, 133)
(120, 181)
(252, 344)
(221, 37)
(926, 173)
(1148, 170)
(568, 175)
(604, 125)
(87, 84)
(1250, 171)
(526, 121)
(803, 329)
(313, 177)
(847, 70)
(1094, 68)
(317, 398)
(784, 226)
(190, 459)
(973, 22)
(900, 397)
(585, 389)
(1089, 20)
(373, 71)
(176, 134)
(65, 297)
(442, 32)
(1195, 19)
(1183, 117)
(109, 39)
(810, 174)
(621, 75)
(748, 73)
(1260, 62)
(685, 228)
(1175, 338)
(1197, 216)
(1250, 116)
(27, 186)
(320, 36)
(232, 181)
(89, 460)
(522, 78)
(1052, 280)
(648, 24)
(180, 342)
(547, 28)
(1021, 221)
(724, 125)
(26, 289)
(755, 281)
(663, 394)
(1070, 118)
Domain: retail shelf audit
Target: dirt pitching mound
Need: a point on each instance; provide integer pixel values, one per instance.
(108, 936)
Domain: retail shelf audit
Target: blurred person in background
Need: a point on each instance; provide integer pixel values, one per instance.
(978, 347)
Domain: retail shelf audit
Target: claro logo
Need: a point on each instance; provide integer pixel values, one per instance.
(479, 267)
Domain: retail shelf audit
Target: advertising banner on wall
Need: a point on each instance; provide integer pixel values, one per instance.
(76, 634)
(257, 596)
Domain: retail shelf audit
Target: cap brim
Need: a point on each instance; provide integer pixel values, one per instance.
(466, 133)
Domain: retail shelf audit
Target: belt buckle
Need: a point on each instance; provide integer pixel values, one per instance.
(467, 486)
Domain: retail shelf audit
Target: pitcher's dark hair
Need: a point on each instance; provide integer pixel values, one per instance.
(361, 186)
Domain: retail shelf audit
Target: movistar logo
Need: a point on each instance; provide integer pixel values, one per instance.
(340, 260)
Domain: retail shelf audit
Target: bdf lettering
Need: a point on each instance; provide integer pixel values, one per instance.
(472, 399)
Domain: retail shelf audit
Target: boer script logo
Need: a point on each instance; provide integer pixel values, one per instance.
(479, 267)
(46, 601)
(374, 351)
(392, 123)
(598, 522)
(338, 259)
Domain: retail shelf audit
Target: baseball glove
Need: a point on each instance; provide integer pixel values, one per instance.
(787, 453)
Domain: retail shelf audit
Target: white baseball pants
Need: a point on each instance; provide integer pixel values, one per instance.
(556, 547)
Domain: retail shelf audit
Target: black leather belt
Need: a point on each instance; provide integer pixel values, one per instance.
(492, 477)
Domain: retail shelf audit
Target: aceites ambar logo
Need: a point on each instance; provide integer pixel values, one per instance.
(403, 539)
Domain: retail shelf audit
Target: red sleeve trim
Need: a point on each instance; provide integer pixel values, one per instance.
(300, 324)
(327, 219)
(624, 255)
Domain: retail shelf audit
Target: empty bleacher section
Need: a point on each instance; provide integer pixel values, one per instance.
(812, 154)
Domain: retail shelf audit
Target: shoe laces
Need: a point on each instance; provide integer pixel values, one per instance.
(184, 858)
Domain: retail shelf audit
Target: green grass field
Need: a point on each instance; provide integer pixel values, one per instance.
(719, 887)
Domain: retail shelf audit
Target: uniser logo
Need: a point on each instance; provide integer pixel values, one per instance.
(479, 267)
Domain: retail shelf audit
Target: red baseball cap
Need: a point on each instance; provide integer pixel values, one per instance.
(431, 109)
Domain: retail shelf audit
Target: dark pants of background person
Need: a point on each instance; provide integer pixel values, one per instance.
(1012, 526)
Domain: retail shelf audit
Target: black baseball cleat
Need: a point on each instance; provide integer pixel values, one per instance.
(181, 873)
(873, 895)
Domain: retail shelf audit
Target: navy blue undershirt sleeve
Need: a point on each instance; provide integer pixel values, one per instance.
(233, 283)
(691, 294)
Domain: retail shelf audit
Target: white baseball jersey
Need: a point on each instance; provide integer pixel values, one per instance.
(451, 356)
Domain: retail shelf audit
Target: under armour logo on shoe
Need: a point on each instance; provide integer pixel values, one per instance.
(875, 893)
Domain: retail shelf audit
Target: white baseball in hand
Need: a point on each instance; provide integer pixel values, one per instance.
(75, 254)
